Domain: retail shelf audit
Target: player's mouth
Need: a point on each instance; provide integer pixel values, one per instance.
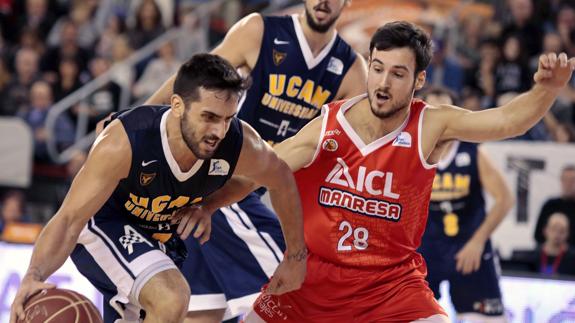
(211, 143)
(382, 97)
(321, 11)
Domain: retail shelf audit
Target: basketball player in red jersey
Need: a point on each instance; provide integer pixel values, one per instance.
(365, 170)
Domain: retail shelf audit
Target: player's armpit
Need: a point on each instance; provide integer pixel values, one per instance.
(299, 150)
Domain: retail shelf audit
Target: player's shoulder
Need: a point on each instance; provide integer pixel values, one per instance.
(142, 117)
(252, 23)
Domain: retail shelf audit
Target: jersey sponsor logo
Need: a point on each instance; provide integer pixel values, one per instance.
(335, 65)
(268, 305)
(371, 181)
(219, 167)
(330, 145)
(146, 163)
(146, 178)
(462, 159)
(132, 237)
(334, 132)
(402, 140)
(280, 42)
(279, 57)
(151, 211)
(358, 204)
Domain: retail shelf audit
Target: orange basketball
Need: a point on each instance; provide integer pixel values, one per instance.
(60, 306)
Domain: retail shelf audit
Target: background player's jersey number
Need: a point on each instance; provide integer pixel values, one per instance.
(359, 234)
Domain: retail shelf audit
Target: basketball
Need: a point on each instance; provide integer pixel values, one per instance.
(60, 305)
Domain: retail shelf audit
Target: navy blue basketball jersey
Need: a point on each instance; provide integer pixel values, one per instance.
(457, 206)
(290, 85)
(156, 186)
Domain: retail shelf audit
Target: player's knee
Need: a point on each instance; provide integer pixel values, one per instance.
(166, 296)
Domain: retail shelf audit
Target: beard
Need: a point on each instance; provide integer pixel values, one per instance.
(189, 136)
(320, 28)
(396, 107)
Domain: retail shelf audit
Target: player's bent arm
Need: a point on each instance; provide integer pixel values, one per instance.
(240, 47)
(299, 150)
(355, 80)
(494, 183)
(108, 162)
(259, 163)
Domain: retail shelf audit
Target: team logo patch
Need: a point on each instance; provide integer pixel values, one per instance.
(132, 237)
(146, 178)
(402, 140)
(219, 167)
(335, 65)
(279, 57)
(330, 145)
(462, 159)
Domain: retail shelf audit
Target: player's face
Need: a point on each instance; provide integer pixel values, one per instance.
(205, 122)
(391, 81)
(322, 14)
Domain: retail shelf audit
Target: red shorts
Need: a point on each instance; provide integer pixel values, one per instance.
(332, 293)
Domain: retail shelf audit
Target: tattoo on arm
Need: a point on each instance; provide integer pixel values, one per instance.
(300, 255)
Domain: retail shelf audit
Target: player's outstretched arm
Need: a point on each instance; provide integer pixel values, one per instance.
(105, 167)
(240, 47)
(492, 180)
(511, 119)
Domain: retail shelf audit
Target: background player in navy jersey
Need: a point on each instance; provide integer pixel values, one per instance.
(116, 219)
(456, 243)
(297, 64)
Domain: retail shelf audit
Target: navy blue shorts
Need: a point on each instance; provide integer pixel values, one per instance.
(477, 292)
(118, 258)
(245, 247)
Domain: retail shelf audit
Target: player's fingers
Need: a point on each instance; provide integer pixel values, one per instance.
(189, 228)
(273, 285)
(544, 61)
(200, 228)
(17, 310)
(562, 60)
(552, 60)
(206, 236)
(572, 63)
(182, 225)
(46, 286)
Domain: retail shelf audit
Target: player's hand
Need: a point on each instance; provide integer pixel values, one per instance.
(28, 287)
(192, 217)
(468, 259)
(554, 71)
(290, 273)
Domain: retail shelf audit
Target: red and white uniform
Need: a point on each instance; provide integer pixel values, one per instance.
(365, 209)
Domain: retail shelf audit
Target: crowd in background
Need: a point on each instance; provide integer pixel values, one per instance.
(51, 48)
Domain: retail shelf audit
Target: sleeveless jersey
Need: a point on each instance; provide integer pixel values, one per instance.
(155, 186)
(457, 205)
(290, 85)
(366, 205)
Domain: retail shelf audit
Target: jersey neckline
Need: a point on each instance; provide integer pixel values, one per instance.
(365, 149)
(174, 167)
(310, 61)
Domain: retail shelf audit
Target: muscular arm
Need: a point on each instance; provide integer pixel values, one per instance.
(105, 167)
(355, 81)
(494, 183)
(445, 122)
(240, 47)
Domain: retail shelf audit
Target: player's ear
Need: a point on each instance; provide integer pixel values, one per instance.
(420, 80)
(178, 105)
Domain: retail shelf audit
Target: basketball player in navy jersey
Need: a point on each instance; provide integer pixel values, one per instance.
(146, 164)
(297, 63)
(456, 243)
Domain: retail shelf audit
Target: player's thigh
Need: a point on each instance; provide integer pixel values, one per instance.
(165, 291)
(210, 316)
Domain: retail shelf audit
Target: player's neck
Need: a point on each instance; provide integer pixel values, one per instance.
(553, 249)
(368, 126)
(315, 40)
(181, 152)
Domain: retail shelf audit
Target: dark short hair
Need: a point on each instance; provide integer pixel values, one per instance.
(399, 34)
(210, 72)
(440, 90)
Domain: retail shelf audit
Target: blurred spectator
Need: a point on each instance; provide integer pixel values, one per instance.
(564, 204)
(81, 15)
(158, 70)
(68, 78)
(68, 48)
(554, 256)
(471, 99)
(467, 42)
(37, 17)
(113, 28)
(16, 94)
(40, 102)
(148, 24)
(564, 133)
(104, 100)
(165, 8)
(565, 26)
(483, 78)
(12, 209)
(29, 39)
(121, 50)
(512, 72)
(5, 78)
(551, 44)
(443, 70)
(524, 26)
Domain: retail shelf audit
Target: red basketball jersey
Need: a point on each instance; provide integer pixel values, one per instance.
(366, 205)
